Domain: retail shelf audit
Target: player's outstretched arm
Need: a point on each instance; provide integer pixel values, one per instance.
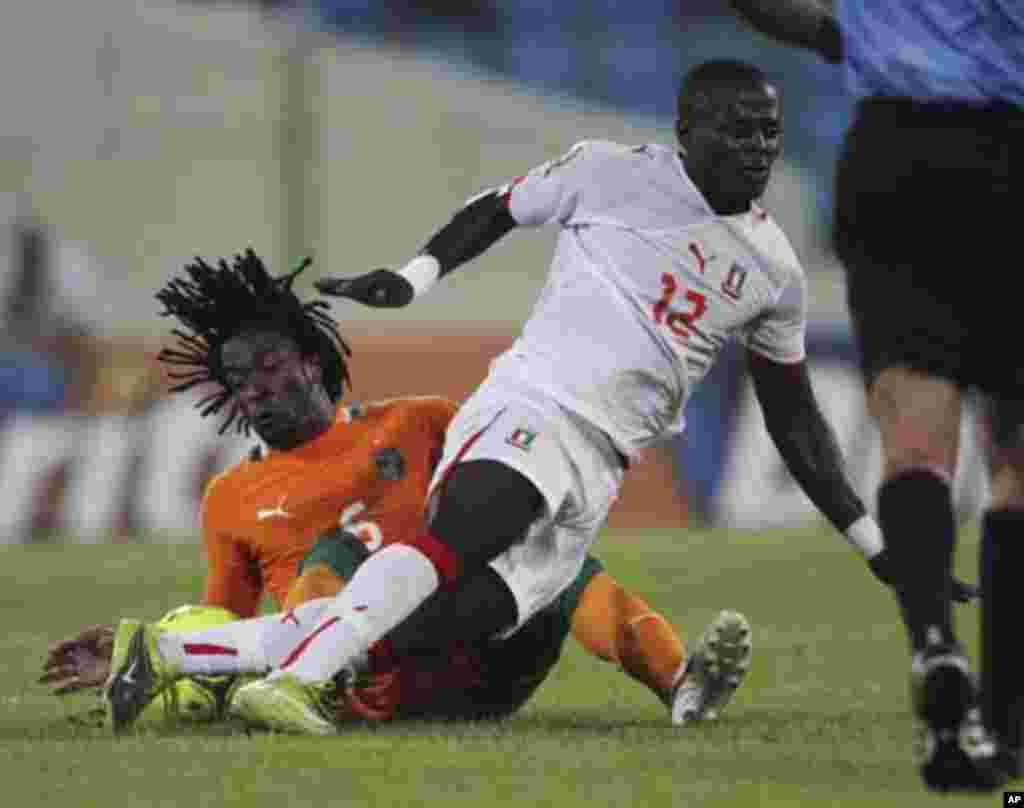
(803, 23)
(473, 229)
(809, 448)
(807, 443)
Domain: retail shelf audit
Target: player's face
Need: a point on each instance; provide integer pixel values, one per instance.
(277, 389)
(731, 150)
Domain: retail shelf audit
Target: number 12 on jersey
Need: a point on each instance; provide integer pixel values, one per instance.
(678, 322)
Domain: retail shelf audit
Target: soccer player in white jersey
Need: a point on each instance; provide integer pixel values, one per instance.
(663, 256)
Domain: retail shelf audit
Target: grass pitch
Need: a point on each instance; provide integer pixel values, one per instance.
(822, 719)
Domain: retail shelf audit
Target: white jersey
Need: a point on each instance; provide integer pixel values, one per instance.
(647, 284)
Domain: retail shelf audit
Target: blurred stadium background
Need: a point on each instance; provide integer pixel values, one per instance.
(139, 133)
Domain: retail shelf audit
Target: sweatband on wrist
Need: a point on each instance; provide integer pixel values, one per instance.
(422, 272)
(866, 536)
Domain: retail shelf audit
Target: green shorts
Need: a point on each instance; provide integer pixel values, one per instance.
(340, 551)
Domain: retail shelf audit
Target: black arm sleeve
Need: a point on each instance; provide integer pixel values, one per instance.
(804, 439)
(471, 231)
(803, 23)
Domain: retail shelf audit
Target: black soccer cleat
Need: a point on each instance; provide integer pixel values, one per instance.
(138, 673)
(1011, 760)
(953, 750)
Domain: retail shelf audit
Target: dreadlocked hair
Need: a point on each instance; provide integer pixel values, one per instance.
(214, 304)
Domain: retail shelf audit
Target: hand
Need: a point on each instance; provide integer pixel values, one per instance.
(881, 566)
(382, 289)
(80, 663)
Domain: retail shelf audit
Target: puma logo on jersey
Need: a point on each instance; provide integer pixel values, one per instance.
(267, 513)
(703, 256)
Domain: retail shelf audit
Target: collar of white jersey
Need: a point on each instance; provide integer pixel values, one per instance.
(754, 215)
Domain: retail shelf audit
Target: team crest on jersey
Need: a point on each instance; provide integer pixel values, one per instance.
(735, 279)
(390, 464)
(521, 439)
(354, 410)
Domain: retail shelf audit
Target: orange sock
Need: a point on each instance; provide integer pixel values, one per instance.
(317, 581)
(652, 652)
(617, 626)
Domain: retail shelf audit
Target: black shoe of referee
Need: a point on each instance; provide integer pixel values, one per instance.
(953, 750)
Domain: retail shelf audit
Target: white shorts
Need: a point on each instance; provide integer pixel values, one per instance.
(572, 463)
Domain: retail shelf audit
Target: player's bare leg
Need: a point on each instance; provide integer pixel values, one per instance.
(1002, 557)
(919, 418)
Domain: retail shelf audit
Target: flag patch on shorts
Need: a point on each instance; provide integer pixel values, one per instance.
(521, 439)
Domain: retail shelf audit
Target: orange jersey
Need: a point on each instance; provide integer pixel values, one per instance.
(368, 473)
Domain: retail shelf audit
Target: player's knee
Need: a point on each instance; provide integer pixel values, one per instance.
(919, 420)
(1004, 438)
(484, 508)
(1007, 488)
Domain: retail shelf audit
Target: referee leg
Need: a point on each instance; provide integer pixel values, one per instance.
(1002, 559)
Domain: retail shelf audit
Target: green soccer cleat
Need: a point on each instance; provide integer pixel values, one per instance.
(287, 704)
(715, 670)
(139, 673)
(189, 700)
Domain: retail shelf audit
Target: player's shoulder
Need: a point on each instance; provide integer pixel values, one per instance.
(228, 477)
(386, 413)
(587, 157)
(225, 485)
(773, 242)
(611, 153)
(595, 147)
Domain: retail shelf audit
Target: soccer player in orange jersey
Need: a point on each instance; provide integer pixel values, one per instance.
(337, 483)
(364, 476)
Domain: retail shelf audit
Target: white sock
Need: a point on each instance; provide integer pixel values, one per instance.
(385, 590)
(244, 646)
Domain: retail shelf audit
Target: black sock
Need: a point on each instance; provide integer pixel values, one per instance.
(479, 606)
(1002, 687)
(915, 511)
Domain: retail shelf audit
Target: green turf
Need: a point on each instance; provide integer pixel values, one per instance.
(822, 719)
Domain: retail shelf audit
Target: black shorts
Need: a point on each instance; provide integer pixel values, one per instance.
(925, 226)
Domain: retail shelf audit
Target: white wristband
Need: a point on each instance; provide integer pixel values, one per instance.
(422, 272)
(866, 536)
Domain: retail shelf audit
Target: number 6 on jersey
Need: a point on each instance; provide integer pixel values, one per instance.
(369, 533)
